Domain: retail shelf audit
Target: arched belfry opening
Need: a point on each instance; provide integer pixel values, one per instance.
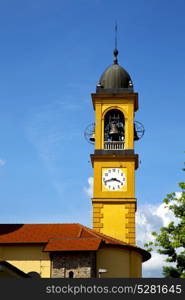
(114, 130)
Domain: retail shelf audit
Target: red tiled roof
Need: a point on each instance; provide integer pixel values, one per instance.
(36, 233)
(52, 235)
(84, 233)
(73, 244)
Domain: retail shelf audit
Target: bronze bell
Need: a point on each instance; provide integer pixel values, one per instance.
(92, 138)
(113, 130)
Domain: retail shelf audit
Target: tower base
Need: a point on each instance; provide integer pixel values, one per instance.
(116, 219)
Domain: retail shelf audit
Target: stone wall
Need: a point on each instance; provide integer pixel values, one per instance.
(81, 263)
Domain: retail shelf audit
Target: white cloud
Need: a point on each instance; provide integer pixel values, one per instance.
(2, 162)
(151, 218)
(153, 267)
(89, 190)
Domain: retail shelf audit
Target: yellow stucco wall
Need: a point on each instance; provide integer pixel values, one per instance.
(116, 220)
(114, 211)
(27, 258)
(120, 263)
(126, 103)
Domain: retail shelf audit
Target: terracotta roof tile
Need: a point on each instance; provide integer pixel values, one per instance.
(108, 240)
(85, 233)
(73, 244)
(42, 233)
(36, 233)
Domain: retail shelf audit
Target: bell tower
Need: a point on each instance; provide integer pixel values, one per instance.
(114, 160)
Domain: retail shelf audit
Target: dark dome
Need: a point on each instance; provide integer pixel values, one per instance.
(115, 79)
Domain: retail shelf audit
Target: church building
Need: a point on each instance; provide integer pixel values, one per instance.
(109, 249)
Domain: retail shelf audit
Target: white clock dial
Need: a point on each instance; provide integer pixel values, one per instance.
(113, 179)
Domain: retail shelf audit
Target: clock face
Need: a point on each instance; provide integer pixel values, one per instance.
(113, 179)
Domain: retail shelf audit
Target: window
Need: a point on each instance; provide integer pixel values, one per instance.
(71, 274)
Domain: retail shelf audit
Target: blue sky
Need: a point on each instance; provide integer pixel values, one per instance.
(52, 56)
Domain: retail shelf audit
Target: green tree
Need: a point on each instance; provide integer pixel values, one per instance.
(171, 239)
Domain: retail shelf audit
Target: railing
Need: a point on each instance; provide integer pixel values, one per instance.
(114, 145)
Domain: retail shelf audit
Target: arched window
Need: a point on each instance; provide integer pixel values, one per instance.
(114, 130)
(71, 274)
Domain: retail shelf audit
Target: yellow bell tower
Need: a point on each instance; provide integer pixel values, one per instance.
(114, 160)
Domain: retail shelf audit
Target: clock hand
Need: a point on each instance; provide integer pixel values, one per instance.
(112, 179)
(115, 179)
(108, 180)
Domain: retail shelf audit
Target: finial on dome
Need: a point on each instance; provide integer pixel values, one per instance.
(116, 50)
(115, 56)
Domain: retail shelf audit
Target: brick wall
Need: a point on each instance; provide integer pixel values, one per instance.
(82, 264)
